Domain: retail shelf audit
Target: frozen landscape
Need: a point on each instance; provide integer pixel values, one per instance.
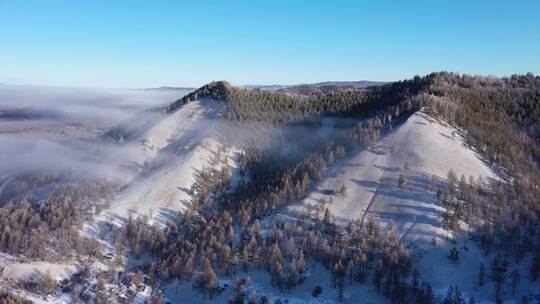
(257, 152)
(382, 178)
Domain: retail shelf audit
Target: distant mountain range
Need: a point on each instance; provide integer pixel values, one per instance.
(167, 88)
(320, 87)
(304, 88)
(355, 84)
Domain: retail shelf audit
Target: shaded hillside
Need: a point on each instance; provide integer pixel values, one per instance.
(500, 115)
(372, 166)
(217, 90)
(278, 107)
(497, 116)
(478, 105)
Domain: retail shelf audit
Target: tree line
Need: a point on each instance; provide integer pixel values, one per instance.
(222, 234)
(50, 230)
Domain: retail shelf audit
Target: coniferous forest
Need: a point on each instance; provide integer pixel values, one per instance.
(234, 224)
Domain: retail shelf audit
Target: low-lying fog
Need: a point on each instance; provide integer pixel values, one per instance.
(32, 105)
(62, 135)
(52, 129)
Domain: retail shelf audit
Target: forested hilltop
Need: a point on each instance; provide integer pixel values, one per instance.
(477, 104)
(498, 116)
(234, 227)
(278, 107)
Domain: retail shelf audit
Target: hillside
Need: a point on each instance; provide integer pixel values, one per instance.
(231, 193)
(422, 150)
(421, 153)
(178, 149)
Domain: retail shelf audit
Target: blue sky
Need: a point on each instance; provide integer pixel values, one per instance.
(154, 43)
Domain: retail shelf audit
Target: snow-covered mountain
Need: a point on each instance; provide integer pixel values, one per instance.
(403, 192)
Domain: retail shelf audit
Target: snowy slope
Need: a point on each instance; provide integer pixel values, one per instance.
(14, 269)
(178, 148)
(421, 149)
(317, 275)
(179, 124)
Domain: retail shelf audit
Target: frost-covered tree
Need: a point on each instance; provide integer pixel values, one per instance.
(454, 255)
(343, 191)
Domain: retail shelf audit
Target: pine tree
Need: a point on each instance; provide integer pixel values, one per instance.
(343, 191)
(292, 276)
(415, 281)
(401, 181)
(291, 248)
(364, 262)
(209, 277)
(339, 272)
(452, 180)
(276, 264)
(515, 281)
(305, 183)
(453, 296)
(138, 278)
(301, 265)
(327, 217)
(481, 275)
(176, 283)
(245, 260)
(378, 276)
(75, 294)
(498, 274)
(454, 255)
(226, 257)
(429, 296)
(100, 283)
(188, 269)
(535, 267)
(256, 230)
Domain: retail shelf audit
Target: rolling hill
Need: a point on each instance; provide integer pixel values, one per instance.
(397, 192)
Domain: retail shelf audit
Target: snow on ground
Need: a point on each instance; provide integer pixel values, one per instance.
(179, 123)
(177, 149)
(142, 296)
(435, 267)
(316, 275)
(48, 299)
(15, 270)
(182, 144)
(423, 150)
